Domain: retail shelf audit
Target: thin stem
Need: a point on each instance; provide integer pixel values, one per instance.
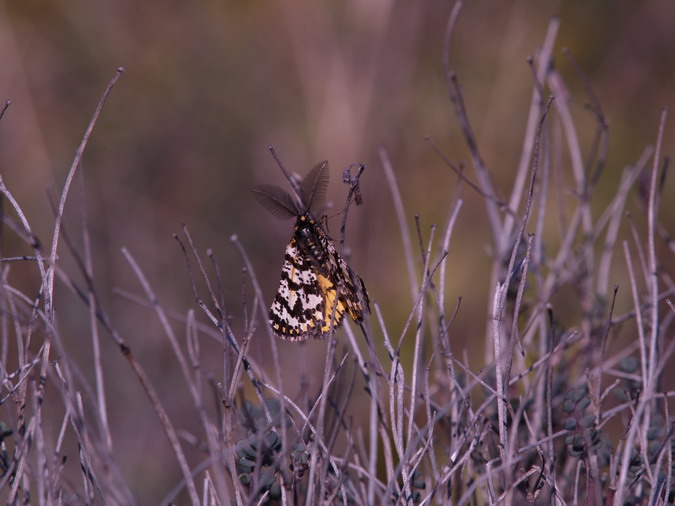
(402, 221)
(653, 284)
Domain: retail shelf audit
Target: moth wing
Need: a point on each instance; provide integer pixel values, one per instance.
(351, 288)
(298, 308)
(357, 300)
(347, 285)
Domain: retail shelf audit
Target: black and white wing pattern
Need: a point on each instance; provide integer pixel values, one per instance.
(317, 286)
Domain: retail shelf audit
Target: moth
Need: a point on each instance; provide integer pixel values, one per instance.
(317, 286)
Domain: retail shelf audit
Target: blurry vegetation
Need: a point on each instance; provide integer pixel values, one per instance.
(518, 252)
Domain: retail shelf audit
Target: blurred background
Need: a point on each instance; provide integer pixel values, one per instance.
(208, 85)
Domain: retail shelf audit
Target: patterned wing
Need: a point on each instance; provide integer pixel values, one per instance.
(353, 291)
(305, 301)
(317, 286)
(350, 287)
(320, 252)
